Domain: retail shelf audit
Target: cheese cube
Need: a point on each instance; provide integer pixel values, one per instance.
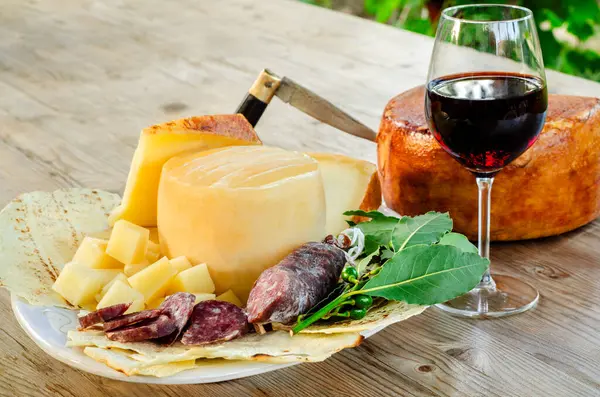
(128, 242)
(195, 279)
(79, 284)
(119, 277)
(155, 303)
(134, 268)
(240, 210)
(92, 253)
(153, 252)
(119, 292)
(230, 297)
(153, 234)
(153, 247)
(153, 281)
(350, 184)
(159, 143)
(181, 263)
(203, 297)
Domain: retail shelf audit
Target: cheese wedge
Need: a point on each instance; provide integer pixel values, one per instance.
(240, 210)
(153, 281)
(159, 143)
(120, 292)
(350, 184)
(79, 284)
(92, 253)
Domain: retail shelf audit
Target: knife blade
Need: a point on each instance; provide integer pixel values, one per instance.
(268, 84)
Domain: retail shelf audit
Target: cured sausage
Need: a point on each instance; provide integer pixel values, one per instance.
(102, 315)
(149, 329)
(215, 321)
(130, 319)
(178, 307)
(296, 284)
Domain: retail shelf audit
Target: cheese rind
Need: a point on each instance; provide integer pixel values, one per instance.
(240, 210)
(128, 242)
(159, 143)
(350, 184)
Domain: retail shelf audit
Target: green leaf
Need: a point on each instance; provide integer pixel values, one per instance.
(426, 275)
(423, 229)
(362, 264)
(377, 231)
(459, 241)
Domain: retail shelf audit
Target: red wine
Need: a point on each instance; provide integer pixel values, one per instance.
(486, 120)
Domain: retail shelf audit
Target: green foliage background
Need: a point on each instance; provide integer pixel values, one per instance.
(569, 30)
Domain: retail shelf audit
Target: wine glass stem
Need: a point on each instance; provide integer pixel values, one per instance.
(485, 201)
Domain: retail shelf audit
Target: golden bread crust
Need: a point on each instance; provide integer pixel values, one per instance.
(552, 188)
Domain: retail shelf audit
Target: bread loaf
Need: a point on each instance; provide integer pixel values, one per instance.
(552, 188)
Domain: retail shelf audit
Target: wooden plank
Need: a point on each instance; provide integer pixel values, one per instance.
(79, 79)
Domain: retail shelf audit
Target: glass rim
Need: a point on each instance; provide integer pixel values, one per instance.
(527, 11)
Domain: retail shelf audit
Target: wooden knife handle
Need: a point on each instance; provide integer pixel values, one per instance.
(259, 96)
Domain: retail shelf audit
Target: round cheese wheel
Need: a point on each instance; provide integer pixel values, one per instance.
(552, 188)
(240, 210)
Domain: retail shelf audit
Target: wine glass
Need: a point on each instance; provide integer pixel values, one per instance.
(486, 104)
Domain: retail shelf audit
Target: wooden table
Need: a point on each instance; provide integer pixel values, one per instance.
(80, 78)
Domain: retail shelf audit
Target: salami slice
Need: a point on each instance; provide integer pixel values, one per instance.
(130, 319)
(215, 321)
(102, 315)
(179, 308)
(150, 329)
(296, 284)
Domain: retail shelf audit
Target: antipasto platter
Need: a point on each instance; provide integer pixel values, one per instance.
(224, 258)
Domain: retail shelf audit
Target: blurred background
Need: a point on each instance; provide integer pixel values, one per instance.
(569, 30)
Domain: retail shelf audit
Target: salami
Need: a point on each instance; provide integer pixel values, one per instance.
(296, 284)
(130, 319)
(149, 329)
(215, 321)
(103, 315)
(178, 307)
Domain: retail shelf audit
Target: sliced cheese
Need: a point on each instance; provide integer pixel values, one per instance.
(194, 279)
(240, 210)
(159, 143)
(230, 297)
(350, 184)
(79, 284)
(92, 253)
(153, 281)
(128, 242)
(120, 292)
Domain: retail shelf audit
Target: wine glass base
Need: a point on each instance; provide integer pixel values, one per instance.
(511, 296)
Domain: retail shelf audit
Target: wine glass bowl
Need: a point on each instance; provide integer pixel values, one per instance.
(485, 103)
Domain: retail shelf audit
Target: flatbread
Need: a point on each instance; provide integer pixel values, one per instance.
(40, 232)
(121, 360)
(389, 313)
(273, 347)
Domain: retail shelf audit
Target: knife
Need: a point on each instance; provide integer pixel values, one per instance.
(268, 84)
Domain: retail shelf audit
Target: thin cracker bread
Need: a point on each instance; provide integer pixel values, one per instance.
(40, 232)
(273, 347)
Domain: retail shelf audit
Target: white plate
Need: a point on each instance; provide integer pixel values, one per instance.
(48, 327)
